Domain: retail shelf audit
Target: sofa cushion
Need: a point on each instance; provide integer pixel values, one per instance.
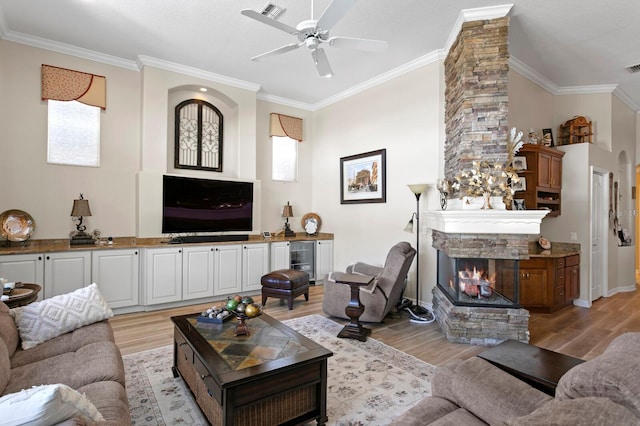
(95, 362)
(69, 342)
(5, 366)
(42, 321)
(46, 405)
(491, 394)
(110, 398)
(577, 412)
(613, 375)
(435, 410)
(8, 329)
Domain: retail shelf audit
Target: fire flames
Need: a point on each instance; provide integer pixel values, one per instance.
(476, 282)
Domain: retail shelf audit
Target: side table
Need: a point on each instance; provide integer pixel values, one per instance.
(23, 295)
(354, 330)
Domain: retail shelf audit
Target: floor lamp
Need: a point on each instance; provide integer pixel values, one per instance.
(418, 313)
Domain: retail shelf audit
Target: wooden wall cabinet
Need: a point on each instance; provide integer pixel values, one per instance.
(576, 130)
(548, 284)
(543, 178)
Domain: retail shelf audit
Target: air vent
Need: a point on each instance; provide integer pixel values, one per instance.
(634, 68)
(272, 11)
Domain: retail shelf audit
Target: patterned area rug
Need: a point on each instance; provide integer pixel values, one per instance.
(369, 382)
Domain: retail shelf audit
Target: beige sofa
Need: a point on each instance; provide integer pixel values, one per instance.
(602, 391)
(86, 359)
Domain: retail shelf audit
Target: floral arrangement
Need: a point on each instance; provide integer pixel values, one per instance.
(484, 177)
(491, 179)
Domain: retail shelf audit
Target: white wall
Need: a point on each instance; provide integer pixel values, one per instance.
(47, 191)
(530, 106)
(403, 116)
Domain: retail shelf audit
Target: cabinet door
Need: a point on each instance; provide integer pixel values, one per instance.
(26, 268)
(116, 274)
(534, 289)
(324, 258)
(572, 283)
(255, 263)
(303, 257)
(227, 269)
(280, 255)
(555, 172)
(544, 166)
(162, 275)
(65, 272)
(197, 272)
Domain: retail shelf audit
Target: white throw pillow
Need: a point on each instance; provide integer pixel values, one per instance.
(42, 321)
(46, 405)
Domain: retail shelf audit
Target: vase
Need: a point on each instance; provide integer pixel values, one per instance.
(487, 200)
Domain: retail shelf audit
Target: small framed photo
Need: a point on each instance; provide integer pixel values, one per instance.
(266, 234)
(518, 204)
(520, 185)
(363, 178)
(520, 163)
(547, 137)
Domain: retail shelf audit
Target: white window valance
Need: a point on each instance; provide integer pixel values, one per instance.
(284, 125)
(62, 84)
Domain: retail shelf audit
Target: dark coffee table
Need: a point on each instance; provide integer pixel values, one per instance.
(539, 367)
(272, 376)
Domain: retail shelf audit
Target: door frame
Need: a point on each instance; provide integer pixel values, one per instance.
(604, 229)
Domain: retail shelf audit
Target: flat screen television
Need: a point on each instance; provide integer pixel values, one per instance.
(204, 205)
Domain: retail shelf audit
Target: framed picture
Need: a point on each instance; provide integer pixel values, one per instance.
(520, 185)
(520, 163)
(547, 137)
(519, 205)
(363, 178)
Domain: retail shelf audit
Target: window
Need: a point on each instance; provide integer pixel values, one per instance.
(198, 136)
(73, 134)
(284, 158)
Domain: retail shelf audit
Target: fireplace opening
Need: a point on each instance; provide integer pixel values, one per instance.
(479, 282)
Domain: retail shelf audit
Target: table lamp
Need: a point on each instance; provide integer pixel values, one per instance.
(287, 212)
(79, 210)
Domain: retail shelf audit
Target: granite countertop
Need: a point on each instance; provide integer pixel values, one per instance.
(44, 246)
(557, 249)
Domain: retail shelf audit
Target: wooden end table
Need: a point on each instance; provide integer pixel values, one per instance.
(539, 367)
(23, 295)
(354, 330)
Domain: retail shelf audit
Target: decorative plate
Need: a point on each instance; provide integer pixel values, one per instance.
(16, 225)
(311, 223)
(544, 243)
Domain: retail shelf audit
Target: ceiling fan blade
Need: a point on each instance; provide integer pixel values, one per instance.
(333, 13)
(358, 43)
(322, 63)
(272, 22)
(277, 51)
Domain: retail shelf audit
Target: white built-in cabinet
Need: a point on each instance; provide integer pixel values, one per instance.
(255, 263)
(162, 276)
(130, 277)
(227, 269)
(116, 272)
(197, 272)
(27, 268)
(280, 255)
(66, 271)
(324, 258)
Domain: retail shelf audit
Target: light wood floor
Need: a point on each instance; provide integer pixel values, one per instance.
(579, 332)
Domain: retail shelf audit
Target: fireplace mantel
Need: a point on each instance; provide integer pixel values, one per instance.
(486, 221)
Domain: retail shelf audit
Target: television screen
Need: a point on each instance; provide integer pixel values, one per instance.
(203, 205)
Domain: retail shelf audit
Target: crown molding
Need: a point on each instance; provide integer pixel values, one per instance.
(533, 75)
(195, 72)
(67, 49)
(477, 14)
(626, 99)
(427, 59)
(284, 101)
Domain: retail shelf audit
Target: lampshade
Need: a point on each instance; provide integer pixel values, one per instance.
(418, 188)
(409, 227)
(80, 208)
(287, 211)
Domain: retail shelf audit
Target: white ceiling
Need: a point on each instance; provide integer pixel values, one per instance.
(567, 46)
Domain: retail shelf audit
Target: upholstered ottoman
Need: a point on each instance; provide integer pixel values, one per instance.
(285, 284)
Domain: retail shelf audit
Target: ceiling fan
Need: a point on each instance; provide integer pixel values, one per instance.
(314, 33)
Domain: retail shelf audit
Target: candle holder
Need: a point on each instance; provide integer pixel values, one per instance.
(444, 188)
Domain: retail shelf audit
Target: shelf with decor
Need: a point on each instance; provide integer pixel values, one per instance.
(576, 130)
(543, 179)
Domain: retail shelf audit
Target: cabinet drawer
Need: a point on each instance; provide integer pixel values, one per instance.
(212, 388)
(560, 278)
(560, 263)
(559, 296)
(573, 260)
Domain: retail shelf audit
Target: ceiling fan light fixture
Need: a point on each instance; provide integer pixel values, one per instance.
(272, 11)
